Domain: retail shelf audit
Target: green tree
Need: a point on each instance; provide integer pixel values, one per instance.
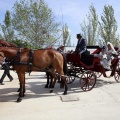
(89, 27)
(7, 29)
(66, 35)
(35, 23)
(108, 26)
(21, 43)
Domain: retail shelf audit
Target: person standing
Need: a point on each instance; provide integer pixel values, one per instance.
(6, 68)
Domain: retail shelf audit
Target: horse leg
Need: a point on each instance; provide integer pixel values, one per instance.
(52, 84)
(47, 73)
(21, 77)
(65, 83)
(19, 88)
(62, 83)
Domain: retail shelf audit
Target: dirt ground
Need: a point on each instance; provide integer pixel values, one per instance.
(101, 103)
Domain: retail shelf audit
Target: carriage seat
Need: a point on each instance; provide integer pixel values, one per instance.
(87, 59)
(75, 58)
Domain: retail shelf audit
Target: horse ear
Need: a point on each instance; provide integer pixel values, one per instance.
(7, 44)
(13, 45)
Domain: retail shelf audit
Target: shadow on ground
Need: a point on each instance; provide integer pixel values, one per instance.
(36, 89)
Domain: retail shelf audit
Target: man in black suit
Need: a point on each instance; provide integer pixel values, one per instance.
(6, 68)
(81, 49)
(81, 46)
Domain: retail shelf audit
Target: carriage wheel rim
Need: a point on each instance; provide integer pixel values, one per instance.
(117, 77)
(89, 83)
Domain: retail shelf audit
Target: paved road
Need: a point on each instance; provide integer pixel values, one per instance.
(101, 103)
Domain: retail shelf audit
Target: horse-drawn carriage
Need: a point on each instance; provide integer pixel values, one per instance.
(89, 69)
(24, 60)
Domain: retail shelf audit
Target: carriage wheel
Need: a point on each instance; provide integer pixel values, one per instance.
(70, 79)
(117, 73)
(87, 80)
(71, 74)
(69, 65)
(98, 74)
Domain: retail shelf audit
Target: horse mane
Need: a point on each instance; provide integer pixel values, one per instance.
(4, 43)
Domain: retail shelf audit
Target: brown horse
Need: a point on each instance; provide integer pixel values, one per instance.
(24, 60)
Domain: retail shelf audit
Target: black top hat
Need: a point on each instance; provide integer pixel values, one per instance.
(79, 35)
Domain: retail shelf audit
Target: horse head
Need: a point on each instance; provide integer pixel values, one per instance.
(7, 49)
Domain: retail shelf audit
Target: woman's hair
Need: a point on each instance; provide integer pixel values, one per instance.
(112, 47)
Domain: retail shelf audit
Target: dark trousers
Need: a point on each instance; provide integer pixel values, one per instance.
(6, 72)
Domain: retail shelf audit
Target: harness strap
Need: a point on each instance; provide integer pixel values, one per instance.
(31, 54)
(16, 56)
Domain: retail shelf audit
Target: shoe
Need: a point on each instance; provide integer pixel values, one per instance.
(11, 79)
(2, 84)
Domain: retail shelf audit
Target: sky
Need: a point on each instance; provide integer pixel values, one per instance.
(70, 12)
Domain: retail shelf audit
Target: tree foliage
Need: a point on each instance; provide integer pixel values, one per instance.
(66, 35)
(108, 26)
(34, 22)
(21, 43)
(7, 29)
(89, 27)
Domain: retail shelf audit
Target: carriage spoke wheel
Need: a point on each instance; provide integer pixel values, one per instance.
(70, 79)
(117, 73)
(87, 80)
(71, 74)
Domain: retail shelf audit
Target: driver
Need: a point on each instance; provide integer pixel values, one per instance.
(81, 46)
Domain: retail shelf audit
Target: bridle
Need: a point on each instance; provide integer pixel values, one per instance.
(11, 61)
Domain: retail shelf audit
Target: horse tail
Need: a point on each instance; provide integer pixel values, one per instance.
(65, 69)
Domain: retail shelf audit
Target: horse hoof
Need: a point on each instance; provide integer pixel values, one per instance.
(65, 93)
(18, 90)
(19, 99)
(51, 91)
(46, 86)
